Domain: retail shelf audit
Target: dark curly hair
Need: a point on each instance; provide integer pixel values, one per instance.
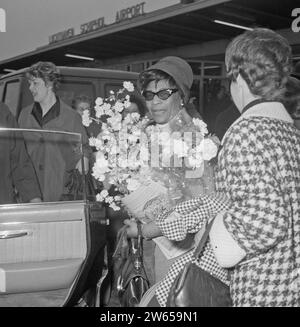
(45, 70)
(263, 58)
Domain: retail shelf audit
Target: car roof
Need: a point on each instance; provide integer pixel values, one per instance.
(84, 71)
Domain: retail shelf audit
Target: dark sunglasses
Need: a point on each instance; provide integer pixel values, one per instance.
(162, 94)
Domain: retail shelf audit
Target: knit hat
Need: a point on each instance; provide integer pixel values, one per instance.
(180, 70)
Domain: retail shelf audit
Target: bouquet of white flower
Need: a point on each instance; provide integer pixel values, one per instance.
(143, 162)
(116, 144)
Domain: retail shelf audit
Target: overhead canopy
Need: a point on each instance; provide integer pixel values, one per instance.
(174, 26)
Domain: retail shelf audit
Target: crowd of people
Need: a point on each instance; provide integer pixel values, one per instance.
(254, 242)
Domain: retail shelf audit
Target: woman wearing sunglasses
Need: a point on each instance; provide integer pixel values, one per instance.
(166, 89)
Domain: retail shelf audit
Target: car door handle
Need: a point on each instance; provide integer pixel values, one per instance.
(12, 234)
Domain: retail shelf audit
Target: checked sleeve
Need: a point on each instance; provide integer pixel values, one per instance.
(190, 216)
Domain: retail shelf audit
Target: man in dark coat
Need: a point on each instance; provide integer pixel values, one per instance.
(16, 169)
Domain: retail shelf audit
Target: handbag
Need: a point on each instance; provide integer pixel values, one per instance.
(133, 282)
(194, 287)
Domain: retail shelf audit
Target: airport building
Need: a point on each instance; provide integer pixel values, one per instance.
(196, 30)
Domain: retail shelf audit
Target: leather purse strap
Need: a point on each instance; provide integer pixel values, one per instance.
(139, 239)
(203, 240)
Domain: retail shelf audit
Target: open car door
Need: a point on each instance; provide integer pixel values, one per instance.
(50, 252)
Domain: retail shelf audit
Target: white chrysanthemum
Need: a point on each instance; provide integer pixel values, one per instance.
(195, 160)
(207, 148)
(109, 112)
(119, 106)
(114, 207)
(210, 149)
(99, 111)
(115, 121)
(128, 86)
(135, 116)
(100, 167)
(117, 117)
(86, 120)
(98, 174)
(127, 104)
(95, 142)
(104, 193)
(201, 125)
(102, 196)
(99, 101)
(109, 199)
(99, 198)
(136, 131)
(106, 107)
(92, 141)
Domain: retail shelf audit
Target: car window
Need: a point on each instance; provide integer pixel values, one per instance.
(68, 90)
(111, 87)
(11, 95)
(44, 168)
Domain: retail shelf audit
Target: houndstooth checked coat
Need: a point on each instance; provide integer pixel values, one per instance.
(259, 171)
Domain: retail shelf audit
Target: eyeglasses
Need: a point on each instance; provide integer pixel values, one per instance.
(162, 94)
